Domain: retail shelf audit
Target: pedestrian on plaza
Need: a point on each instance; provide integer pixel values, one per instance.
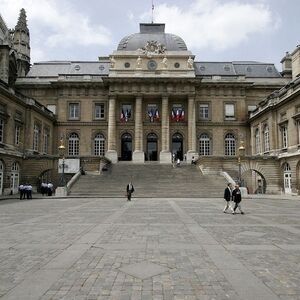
(129, 190)
(193, 162)
(21, 191)
(44, 188)
(178, 162)
(50, 189)
(29, 191)
(237, 198)
(228, 197)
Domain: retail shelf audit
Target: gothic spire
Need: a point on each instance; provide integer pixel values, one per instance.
(22, 22)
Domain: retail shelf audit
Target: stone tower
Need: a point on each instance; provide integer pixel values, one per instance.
(21, 44)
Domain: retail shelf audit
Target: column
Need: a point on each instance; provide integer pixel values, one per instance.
(165, 154)
(191, 129)
(111, 143)
(138, 155)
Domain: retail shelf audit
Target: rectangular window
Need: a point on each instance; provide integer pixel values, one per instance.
(99, 111)
(152, 112)
(203, 112)
(284, 132)
(46, 141)
(74, 111)
(177, 113)
(36, 137)
(52, 107)
(298, 127)
(126, 112)
(229, 112)
(17, 134)
(1, 131)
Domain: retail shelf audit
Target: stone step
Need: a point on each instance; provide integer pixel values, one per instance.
(150, 181)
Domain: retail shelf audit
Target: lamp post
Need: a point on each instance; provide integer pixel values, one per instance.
(61, 150)
(241, 153)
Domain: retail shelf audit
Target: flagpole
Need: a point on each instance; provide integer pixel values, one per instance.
(152, 9)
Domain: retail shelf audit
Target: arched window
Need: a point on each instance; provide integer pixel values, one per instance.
(99, 145)
(266, 139)
(257, 141)
(287, 177)
(14, 178)
(229, 144)
(1, 176)
(204, 144)
(73, 144)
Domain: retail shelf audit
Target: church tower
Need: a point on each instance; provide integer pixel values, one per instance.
(21, 43)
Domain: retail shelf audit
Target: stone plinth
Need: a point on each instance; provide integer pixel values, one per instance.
(138, 157)
(61, 191)
(112, 155)
(165, 157)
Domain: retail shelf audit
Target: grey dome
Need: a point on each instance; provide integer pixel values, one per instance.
(152, 32)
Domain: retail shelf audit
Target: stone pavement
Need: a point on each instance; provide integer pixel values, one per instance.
(92, 248)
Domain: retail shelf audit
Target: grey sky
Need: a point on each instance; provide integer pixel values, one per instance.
(214, 30)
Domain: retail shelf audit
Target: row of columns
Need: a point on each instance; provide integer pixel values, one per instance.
(138, 154)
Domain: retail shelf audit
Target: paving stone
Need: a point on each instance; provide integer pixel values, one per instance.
(77, 248)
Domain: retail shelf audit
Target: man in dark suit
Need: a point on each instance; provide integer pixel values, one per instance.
(129, 190)
(228, 197)
(237, 198)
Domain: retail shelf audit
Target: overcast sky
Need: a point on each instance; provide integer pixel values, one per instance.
(214, 30)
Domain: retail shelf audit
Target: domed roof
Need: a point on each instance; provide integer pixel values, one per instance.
(152, 32)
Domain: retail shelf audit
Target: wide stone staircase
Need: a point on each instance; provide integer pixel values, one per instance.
(150, 180)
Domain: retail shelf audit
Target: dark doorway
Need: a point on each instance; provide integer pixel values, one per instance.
(177, 146)
(151, 147)
(126, 147)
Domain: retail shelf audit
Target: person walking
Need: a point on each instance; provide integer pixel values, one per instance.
(21, 191)
(237, 198)
(228, 197)
(29, 191)
(49, 189)
(129, 190)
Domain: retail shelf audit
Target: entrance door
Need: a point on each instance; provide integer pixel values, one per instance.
(177, 146)
(126, 147)
(151, 147)
(14, 178)
(1, 177)
(287, 177)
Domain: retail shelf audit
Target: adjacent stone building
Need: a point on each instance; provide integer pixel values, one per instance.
(151, 100)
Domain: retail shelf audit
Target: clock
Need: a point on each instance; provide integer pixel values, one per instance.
(152, 65)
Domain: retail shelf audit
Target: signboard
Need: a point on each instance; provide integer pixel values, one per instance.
(72, 165)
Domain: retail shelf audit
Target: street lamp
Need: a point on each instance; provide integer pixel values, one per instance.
(61, 150)
(241, 153)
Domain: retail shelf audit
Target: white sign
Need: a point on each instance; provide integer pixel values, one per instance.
(72, 165)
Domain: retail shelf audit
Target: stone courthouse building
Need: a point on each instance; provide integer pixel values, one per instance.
(151, 99)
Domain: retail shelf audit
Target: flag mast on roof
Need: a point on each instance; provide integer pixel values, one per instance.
(152, 9)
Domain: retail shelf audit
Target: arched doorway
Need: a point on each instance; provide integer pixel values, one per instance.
(1, 176)
(254, 181)
(151, 147)
(287, 179)
(126, 147)
(14, 178)
(177, 145)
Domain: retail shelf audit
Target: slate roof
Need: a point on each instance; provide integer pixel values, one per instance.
(152, 32)
(239, 68)
(56, 68)
(101, 68)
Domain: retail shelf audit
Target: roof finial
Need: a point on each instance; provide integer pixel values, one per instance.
(152, 10)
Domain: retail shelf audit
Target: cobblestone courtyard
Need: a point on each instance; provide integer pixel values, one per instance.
(149, 249)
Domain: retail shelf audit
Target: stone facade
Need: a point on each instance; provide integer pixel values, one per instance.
(150, 100)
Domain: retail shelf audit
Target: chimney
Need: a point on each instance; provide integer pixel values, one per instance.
(287, 65)
(296, 63)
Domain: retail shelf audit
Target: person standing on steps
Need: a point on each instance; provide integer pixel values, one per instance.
(228, 197)
(129, 190)
(237, 198)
